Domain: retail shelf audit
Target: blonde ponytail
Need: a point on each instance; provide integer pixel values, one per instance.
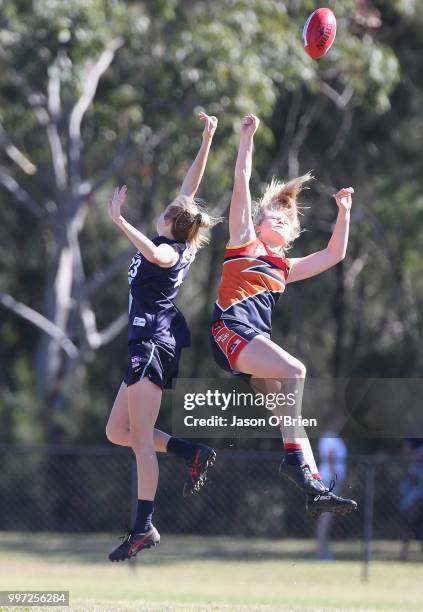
(188, 219)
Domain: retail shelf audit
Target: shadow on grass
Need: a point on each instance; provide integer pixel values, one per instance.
(94, 548)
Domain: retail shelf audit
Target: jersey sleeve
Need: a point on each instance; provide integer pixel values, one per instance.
(186, 255)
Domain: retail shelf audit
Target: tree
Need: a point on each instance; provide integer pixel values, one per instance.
(98, 92)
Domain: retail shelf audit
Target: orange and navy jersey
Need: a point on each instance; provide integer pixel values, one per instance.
(253, 279)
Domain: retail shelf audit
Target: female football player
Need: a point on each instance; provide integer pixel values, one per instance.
(255, 273)
(157, 334)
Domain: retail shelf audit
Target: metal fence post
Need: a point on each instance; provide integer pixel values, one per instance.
(368, 518)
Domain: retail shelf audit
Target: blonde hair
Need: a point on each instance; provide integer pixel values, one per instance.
(283, 197)
(188, 218)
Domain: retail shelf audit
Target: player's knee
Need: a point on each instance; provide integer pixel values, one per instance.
(297, 370)
(111, 434)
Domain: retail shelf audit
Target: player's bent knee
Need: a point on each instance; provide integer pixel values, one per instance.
(297, 370)
(111, 434)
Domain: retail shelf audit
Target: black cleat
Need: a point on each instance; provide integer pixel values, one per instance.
(132, 543)
(302, 477)
(203, 459)
(329, 502)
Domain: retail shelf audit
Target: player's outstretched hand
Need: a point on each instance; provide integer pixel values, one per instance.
(115, 203)
(343, 198)
(210, 125)
(249, 125)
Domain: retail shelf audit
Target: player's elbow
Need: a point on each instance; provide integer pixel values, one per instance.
(335, 256)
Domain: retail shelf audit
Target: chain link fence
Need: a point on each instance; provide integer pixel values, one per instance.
(93, 489)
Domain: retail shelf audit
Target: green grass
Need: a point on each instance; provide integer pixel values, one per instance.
(213, 573)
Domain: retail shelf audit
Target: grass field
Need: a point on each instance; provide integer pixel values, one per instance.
(213, 573)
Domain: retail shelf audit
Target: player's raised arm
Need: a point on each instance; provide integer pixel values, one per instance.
(311, 265)
(163, 255)
(195, 173)
(241, 227)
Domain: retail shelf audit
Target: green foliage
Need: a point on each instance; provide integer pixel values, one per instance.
(364, 106)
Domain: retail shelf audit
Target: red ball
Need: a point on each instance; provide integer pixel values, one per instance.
(319, 32)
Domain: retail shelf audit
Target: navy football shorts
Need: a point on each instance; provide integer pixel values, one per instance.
(154, 360)
(228, 338)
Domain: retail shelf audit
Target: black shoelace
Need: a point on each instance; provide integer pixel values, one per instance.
(332, 483)
(128, 533)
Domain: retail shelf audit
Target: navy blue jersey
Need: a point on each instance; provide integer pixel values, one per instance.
(152, 313)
